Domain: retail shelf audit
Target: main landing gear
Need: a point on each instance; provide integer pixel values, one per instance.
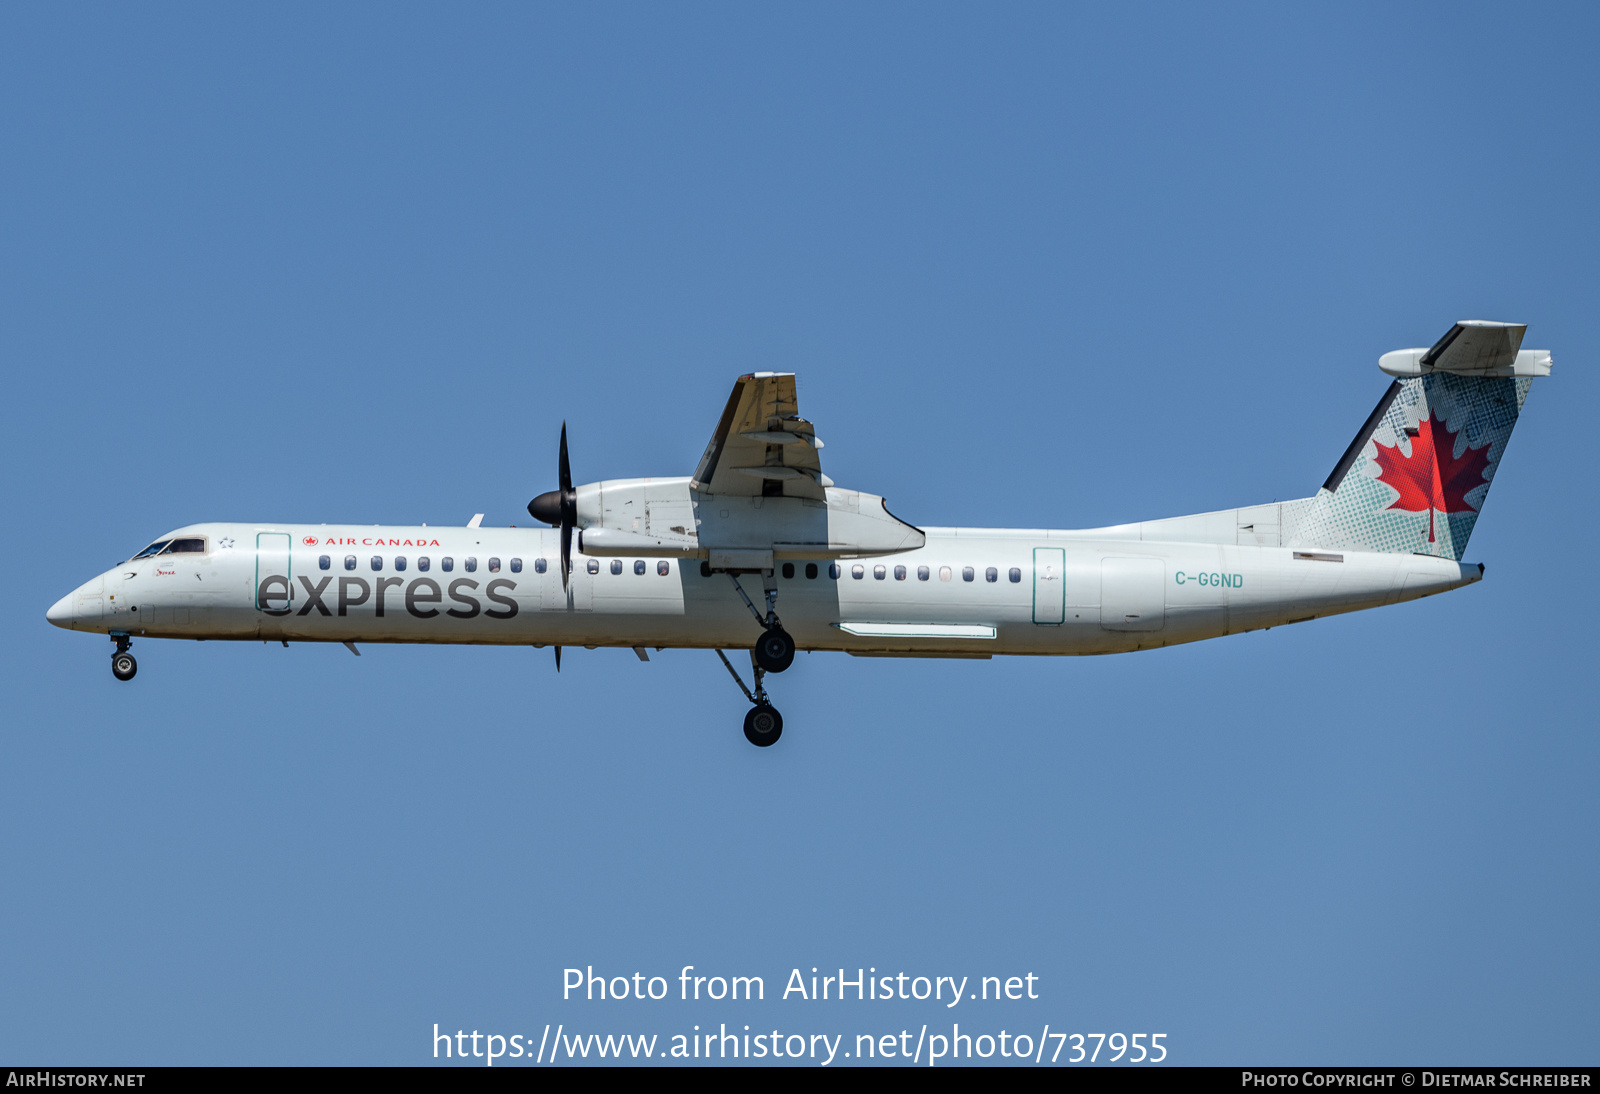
(774, 650)
(123, 666)
(763, 725)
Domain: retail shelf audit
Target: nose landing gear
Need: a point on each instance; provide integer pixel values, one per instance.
(123, 666)
(763, 725)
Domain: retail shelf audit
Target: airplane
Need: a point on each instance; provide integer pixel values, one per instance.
(705, 561)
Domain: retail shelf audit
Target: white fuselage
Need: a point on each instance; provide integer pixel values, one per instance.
(1055, 592)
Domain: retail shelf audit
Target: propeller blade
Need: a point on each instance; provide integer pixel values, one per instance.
(558, 658)
(559, 508)
(564, 468)
(569, 507)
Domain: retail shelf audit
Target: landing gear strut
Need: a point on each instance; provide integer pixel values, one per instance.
(763, 725)
(774, 650)
(123, 666)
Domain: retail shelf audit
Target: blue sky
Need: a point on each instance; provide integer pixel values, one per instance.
(1034, 265)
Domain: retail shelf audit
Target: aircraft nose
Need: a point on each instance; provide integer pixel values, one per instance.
(61, 612)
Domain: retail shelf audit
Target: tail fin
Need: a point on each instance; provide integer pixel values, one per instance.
(1415, 478)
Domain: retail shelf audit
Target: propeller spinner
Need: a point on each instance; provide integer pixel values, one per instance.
(559, 508)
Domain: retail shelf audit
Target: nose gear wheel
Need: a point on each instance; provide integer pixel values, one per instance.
(123, 666)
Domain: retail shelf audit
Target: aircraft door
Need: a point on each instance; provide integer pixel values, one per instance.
(272, 573)
(1049, 585)
(1133, 594)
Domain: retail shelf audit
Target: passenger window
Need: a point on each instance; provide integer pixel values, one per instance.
(422, 563)
(944, 573)
(154, 549)
(377, 562)
(447, 564)
(324, 563)
(967, 573)
(471, 564)
(1016, 575)
(922, 573)
(991, 574)
(187, 547)
(663, 568)
(494, 565)
(811, 571)
(788, 569)
(540, 565)
(878, 573)
(616, 565)
(400, 562)
(899, 573)
(858, 571)
(594, 565)
(638, 567)
(349, 562)
(834, 571)
(516, 565)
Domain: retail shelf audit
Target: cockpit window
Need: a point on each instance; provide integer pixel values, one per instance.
(194, 546)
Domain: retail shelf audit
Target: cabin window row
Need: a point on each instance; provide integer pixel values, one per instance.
(470, 564)
(924, 573)
(424, 563)
(881, 572)
(835, 571)
(640, 567)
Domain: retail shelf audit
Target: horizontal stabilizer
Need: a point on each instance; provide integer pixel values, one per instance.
(1473, 347)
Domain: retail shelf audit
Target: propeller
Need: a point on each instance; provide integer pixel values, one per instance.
(559, 509)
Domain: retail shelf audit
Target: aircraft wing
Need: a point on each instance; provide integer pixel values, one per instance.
(762, 447)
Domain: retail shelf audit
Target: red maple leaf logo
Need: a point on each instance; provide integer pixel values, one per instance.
(1432, 478)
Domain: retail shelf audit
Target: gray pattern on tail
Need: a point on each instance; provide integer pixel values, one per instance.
(1420, 477)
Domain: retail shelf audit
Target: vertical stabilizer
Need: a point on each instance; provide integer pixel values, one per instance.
(1415, 478)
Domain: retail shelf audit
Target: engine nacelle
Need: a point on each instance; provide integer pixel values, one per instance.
(667, 518)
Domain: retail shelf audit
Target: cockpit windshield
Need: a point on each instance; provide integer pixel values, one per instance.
(190, 546)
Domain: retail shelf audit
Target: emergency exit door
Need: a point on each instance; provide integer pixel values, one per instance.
(1049, 585)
